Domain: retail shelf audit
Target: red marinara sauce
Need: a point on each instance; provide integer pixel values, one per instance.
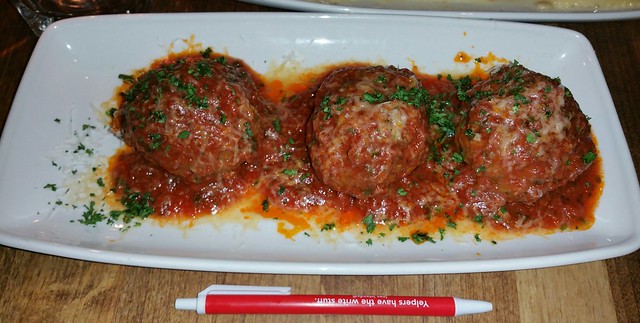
(280, 183)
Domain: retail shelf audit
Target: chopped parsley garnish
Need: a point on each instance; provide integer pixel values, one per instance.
(289, 172)
(202, 69)
(373, 98)
(158, 116)
(369, 223)
(520, 98)
(327, 107)
(82, 147)
(328, 227)
(567, 93)
(469, 133)
(415, 96)
(136, 205)
(92, 216)
(52, 187)
(142, 88)
(184, 134)
(191, 96)
(420, 237)
(110, 112)
(402, 192)
(276, 124)
(126, 78)
(247, 129)
(589, 157)
(206, 53)
(381, 79)
(462, 86)
(222, 60)
(155, 139)
(438, 115)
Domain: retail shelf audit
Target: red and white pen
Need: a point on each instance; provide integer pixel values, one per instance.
(231, 299)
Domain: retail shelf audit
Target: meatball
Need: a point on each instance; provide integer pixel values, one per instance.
(196, 117)
(525, 133)
(368, 129)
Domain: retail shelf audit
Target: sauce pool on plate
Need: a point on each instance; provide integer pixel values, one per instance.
(381, 150)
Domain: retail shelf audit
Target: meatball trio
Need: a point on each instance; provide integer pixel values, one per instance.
(200, 118)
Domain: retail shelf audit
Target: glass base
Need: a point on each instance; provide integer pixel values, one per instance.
(40, 14)
(36, 21)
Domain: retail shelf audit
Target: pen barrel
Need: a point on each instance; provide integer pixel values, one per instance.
(330, 304)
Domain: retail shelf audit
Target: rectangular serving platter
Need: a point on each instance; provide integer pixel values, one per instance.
(74, 69)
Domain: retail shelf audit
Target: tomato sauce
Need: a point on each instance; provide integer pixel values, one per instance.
(282, 185)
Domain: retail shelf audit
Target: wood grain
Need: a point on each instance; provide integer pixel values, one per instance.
(542, 293)
(43, 288)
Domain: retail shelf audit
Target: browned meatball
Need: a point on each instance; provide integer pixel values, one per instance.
(195, 117)
(525, 133)
(368, 129)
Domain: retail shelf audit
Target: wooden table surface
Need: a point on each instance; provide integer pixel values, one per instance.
(42, 288)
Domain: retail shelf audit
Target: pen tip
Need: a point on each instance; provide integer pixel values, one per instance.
(466, 306)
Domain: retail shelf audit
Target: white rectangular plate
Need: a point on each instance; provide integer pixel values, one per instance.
(74, 69)
(520, 10)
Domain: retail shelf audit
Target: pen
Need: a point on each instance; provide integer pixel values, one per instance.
(228, 299)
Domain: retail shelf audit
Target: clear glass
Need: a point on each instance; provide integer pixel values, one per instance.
(41, 13)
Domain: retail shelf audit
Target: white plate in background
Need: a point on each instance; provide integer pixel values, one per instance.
(519, 10)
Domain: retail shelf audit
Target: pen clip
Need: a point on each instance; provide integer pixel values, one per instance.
(244, 290)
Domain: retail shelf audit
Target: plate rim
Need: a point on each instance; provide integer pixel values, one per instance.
(301, 5)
